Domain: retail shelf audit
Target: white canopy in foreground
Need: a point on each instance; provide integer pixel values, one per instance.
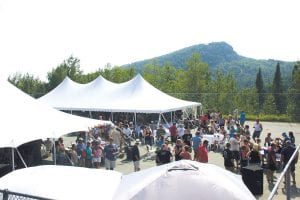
(24, 119)
(62, 182)
(136, 96)
(183, 180)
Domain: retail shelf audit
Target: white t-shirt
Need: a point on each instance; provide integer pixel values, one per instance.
(257, 127)
(234, 144)
(127, 132)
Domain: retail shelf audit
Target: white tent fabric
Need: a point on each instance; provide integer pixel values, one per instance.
(24, 119)
(62, 182)
(136, 95)
(183, 180)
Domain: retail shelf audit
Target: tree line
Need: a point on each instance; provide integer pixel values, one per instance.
(194, 82)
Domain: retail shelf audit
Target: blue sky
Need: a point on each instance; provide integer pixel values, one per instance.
(37, 35)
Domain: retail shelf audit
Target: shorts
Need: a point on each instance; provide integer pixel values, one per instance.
(256, 134)
(97, 160)
(110, 164)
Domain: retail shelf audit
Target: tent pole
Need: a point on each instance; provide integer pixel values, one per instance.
(171, 117)
(71, 112)
(112, 116)
(54, 152)
(23, 161)
(90, 114)
(135, 121)
(13, 158)
(165, 120)
(159, 119)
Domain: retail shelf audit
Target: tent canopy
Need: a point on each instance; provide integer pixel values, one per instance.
(135, 95)
(62, 182)
(24, 119)
(183, 179)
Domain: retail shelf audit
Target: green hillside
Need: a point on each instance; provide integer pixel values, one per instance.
(220, 55)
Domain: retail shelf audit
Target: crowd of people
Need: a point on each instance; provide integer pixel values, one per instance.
(239, 144)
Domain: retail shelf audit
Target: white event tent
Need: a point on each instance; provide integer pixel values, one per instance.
(135, 96)
(24, 119)
(184, 179)
(62, 182)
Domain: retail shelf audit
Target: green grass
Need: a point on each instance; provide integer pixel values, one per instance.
(271, 118)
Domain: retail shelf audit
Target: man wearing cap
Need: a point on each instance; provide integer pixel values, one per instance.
(136, 155)
(286, 154)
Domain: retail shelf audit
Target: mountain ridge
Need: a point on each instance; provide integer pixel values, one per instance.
(221, 55)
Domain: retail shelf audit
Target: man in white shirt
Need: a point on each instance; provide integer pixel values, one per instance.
(235, 149)
(127, 133)
(257, 130)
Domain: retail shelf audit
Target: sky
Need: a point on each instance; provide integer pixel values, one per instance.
(38, 35)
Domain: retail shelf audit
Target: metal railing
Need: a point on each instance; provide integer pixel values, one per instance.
(285, 173)
(8, 195)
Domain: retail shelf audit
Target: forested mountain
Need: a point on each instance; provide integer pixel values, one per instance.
(220, 55)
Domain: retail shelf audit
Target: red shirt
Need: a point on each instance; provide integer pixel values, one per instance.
(173, 130)
(203, 154)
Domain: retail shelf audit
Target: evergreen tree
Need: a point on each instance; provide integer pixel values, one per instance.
(259, 83)
(294, 104)
(279, 97)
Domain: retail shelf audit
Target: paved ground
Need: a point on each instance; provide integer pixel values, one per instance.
(215, 158)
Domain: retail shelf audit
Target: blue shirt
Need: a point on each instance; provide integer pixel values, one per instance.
(110, 152)
(243, 117)
(196, 141)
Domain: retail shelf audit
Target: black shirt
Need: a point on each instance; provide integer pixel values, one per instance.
(164, 156)
(287, 153)
(228, 156)
(135, 153)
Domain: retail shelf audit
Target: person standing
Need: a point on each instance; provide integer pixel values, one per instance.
(80, 149)
(228, 158)
(73, 155)
(203, 153)
(257, 130)
(271, 163)
(286, 154)
(196, 141)
(97, 153)
(187, 137)
(88, 158)
(136, 155)
(235, 149)
(110, 154)
(173, 132)
(178, 149)
(160, 131)
(242, 118)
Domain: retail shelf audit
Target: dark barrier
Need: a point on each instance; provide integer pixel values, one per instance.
(5, 194)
